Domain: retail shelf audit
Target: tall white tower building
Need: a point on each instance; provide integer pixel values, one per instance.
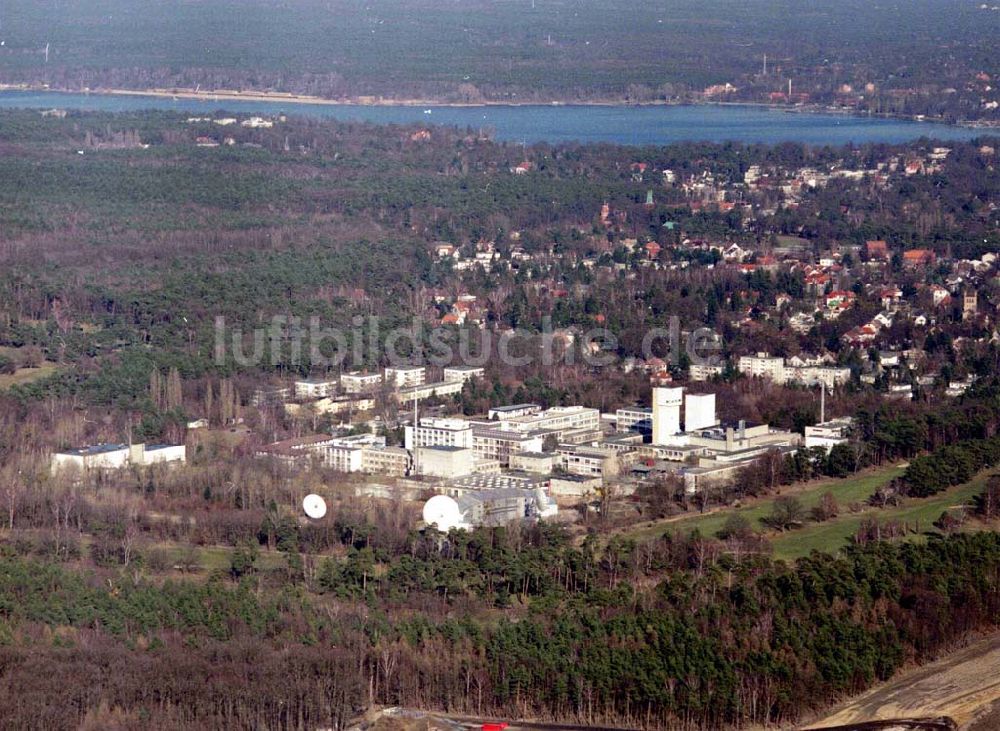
(699, 411)
(666, 413)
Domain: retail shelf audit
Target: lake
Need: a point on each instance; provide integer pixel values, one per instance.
(653, 125)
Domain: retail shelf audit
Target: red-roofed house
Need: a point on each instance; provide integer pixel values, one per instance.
(877, 249)
(940, 296)
(817, 280)
(890, 296)
(860, 335)
(840, 298)
(918, 258)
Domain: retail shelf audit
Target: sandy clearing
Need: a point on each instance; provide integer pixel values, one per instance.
(963, 685)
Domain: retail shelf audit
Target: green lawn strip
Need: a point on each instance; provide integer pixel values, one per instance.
(216, 558)
(832, 535)
(27, 375)
(846, 491)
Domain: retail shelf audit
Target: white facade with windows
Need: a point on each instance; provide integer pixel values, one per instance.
(360, 382)
(315, 388)
(406, 377)
(392, 461)
(763, 365)
(427, 390)
(439, 433)
(500, 444)
(828, 434)
(629, 418)
(463, 373)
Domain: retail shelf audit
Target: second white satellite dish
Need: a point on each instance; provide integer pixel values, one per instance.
(443, 513)
(314, 506)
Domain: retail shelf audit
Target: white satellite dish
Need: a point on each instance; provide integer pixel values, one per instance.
(314, 506)
(443, 513)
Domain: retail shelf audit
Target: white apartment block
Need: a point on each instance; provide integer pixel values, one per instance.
(500, 444)
(346, 454)
(360, 382)
(315, 388)
(704, 372)
(406, 377)
(358, 453)
(270, 395)
(463, 373)
(439, 433)
(392, 461)
(830, 376)
(763, 365)
(296, 451)
(776, 369)
(629, 418)
(586, 461)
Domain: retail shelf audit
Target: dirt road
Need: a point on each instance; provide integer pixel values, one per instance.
(964, 686)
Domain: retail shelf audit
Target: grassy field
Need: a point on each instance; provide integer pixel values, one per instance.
(831, 535)
(26, 375)
(23, 375)
(852, 489)
(219, 558)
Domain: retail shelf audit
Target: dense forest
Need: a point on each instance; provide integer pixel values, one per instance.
(680, 633)
(930, 57)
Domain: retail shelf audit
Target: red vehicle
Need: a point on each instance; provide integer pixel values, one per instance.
(494, 726)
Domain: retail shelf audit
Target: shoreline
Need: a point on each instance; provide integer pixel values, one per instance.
(224, 95)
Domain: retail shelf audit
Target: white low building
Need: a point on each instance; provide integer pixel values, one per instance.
(828, 434)
(499, 413)
(339, 405)
(409, 394)
(541, 463)
(116, 456)
(145, 455)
